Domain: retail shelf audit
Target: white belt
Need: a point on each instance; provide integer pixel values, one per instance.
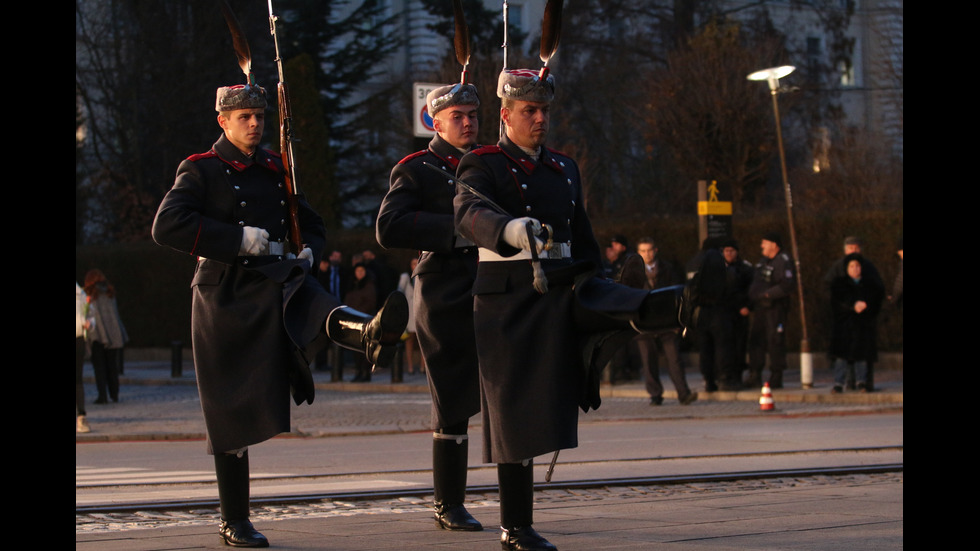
(557, 250)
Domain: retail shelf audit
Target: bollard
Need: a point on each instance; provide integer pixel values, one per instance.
(398, 364)
(336, 355)
(176, 358)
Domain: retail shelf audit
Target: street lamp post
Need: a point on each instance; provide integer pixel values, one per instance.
(772, 76)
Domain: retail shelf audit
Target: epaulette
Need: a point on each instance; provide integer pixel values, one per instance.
(412, 156)
(205, 155)
(487, 149)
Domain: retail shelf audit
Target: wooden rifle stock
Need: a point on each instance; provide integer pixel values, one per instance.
(286, 151)
(286, 146)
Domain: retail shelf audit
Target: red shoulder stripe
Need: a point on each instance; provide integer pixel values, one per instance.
(412, 156)
(487, 149)
(205, 155)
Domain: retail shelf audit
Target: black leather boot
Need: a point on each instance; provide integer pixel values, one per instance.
(449, 454)
(516, 482)
(376, 336)
(233, 492)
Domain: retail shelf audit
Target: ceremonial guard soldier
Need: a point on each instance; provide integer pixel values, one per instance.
(417, 213)
(539, 296)
(258, 315)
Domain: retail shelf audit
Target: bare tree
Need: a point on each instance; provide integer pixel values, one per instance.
(716, 124)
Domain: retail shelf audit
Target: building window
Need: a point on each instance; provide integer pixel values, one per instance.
(846, 71)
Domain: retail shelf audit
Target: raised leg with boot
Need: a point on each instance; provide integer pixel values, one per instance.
(376, 336)
(449, 464)
(236, 530)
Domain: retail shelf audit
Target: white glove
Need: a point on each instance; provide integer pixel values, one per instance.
(254, 241)
(306, 254)
(515, 234)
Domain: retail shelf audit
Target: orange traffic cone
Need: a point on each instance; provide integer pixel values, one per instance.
(765, 401)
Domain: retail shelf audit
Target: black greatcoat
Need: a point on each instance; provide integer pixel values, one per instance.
(530, 344)
(256, 320)
(417, 213)
(854, 336)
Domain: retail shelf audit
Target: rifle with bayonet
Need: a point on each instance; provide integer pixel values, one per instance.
(286, 144)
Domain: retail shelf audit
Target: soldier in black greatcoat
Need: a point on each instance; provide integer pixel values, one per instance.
(534, 306)
(417, 213)
(258, 316)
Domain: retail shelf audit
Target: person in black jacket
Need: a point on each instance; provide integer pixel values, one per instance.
(856, 301)
(772, 285)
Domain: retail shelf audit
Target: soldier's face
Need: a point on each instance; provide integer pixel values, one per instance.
(527, 123)
(458, 125)
(243, 127)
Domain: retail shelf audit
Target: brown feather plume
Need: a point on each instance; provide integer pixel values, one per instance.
(461, 36)
(239, 41)
(550, 29)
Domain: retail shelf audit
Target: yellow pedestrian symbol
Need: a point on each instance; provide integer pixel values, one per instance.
(713, 190)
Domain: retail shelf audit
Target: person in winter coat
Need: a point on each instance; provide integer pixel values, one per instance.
(107, 336)
(856, 302)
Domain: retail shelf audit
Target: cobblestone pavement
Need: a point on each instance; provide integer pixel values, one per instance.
(147, 519)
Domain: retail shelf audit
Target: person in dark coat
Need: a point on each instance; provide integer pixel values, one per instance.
(653, 272)
(740, 278)
(258, 315)
(417, 214)
(856, 301)
(855, 245)
(540, 295)
(772, 286)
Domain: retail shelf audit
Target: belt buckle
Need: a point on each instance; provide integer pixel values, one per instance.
(276, 248)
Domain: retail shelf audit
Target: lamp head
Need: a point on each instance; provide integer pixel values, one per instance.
(772, 75)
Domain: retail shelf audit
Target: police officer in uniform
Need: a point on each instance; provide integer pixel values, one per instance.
(772, 285)
(258, 315)
(534, 307)
(417, 213)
